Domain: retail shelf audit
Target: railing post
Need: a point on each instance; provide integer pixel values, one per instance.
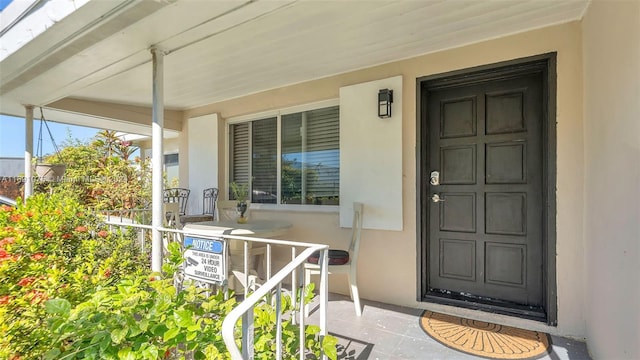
(268, 261)
(324, 294)
(246, 268)
(247, 334)
(294, 282)
(279, 322)
(301, 313)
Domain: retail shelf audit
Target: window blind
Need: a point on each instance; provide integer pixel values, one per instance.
(310, 157)
(239, 154)
(264, 166)
(323, 152)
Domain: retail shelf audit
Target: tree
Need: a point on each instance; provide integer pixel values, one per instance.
(102, 175)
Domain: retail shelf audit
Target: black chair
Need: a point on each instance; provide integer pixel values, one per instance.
(209, 198)
(177, 195)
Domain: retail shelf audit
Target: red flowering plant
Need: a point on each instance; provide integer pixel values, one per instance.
(52, 247)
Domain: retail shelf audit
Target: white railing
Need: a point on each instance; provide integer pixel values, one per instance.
(273, 286)
(140, 219)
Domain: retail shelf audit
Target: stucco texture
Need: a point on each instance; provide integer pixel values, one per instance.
(612, 193)
(388, 262)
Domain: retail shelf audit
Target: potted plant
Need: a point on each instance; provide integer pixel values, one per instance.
(50, 172)
(240, 194)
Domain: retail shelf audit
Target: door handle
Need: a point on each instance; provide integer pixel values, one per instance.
(436, 198)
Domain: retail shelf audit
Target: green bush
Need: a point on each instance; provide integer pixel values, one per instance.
(140, 317)
(148, 318)
(53, 248)
(70, 289)
(102, 174)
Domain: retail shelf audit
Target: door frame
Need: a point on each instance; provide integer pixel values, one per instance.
(546, 64)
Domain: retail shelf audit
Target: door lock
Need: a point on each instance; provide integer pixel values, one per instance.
(434, 179)
(436, 198)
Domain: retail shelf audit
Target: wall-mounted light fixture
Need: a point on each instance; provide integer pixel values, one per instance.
(385, 98)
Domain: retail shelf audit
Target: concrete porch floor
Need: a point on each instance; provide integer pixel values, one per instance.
(388, 332)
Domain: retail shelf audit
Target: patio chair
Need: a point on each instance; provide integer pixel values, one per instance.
(177, 195)
(172, 221)
(209, 198)
(342, 261)
(172, 215)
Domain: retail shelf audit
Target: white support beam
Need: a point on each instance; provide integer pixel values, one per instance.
(28, 152)
(157, 158)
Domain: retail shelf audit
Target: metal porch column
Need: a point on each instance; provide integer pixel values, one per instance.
(28, 152)
(157, 158)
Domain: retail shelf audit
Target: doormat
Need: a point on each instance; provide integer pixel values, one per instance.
(484, 339)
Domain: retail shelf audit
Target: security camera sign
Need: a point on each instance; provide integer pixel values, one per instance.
(204, 259)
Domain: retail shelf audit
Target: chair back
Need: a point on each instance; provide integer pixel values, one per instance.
(177, 195)
(228, 210)
(171, 213)
(356, 229)
(209, 198)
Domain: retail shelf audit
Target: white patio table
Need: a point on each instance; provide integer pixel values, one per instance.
(253, 228)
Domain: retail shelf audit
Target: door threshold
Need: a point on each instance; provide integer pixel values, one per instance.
(487, 305)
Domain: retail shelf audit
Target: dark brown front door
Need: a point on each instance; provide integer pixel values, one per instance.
(483, 197)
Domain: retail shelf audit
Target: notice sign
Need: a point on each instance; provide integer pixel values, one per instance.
(204, 259)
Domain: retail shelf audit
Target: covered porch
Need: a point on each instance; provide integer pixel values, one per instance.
(201, 70)
(387, 331)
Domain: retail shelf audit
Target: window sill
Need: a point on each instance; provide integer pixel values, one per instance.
(298, 208)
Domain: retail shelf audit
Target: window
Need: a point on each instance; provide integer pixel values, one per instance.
(171, 167)
(292, 158)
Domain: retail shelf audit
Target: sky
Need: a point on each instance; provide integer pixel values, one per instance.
(4, 3)
(12, 135)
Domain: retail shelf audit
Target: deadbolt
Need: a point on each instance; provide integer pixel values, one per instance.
(434, 179)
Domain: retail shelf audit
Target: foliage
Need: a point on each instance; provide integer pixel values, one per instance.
(292, 182)
(102, 175)
(53, 248)
(70, 289)
(139, 319)
(142, 319)
(265, 327)
(240, 191)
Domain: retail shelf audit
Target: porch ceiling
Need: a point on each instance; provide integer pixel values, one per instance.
(217, 50)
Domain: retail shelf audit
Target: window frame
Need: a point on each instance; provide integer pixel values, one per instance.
(278, 113)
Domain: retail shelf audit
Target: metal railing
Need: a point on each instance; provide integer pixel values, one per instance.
(139, 219)
(273, 287)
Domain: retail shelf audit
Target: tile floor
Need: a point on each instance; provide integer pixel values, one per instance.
(389, 332)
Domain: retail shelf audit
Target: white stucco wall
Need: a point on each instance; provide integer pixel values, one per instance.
(611, 33)
(371, 155)
(201, 158)
(388, 259)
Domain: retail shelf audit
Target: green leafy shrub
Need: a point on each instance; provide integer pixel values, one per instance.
(102, 174)
(265, 332)
(142, 319)
(53, 248)
(70, 289)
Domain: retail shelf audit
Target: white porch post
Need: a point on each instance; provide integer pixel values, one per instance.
(28, 152)
(157, 158)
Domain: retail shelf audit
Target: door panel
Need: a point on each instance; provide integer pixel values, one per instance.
(485, 231)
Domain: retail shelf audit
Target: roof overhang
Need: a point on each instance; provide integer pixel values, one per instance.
(93, 65)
